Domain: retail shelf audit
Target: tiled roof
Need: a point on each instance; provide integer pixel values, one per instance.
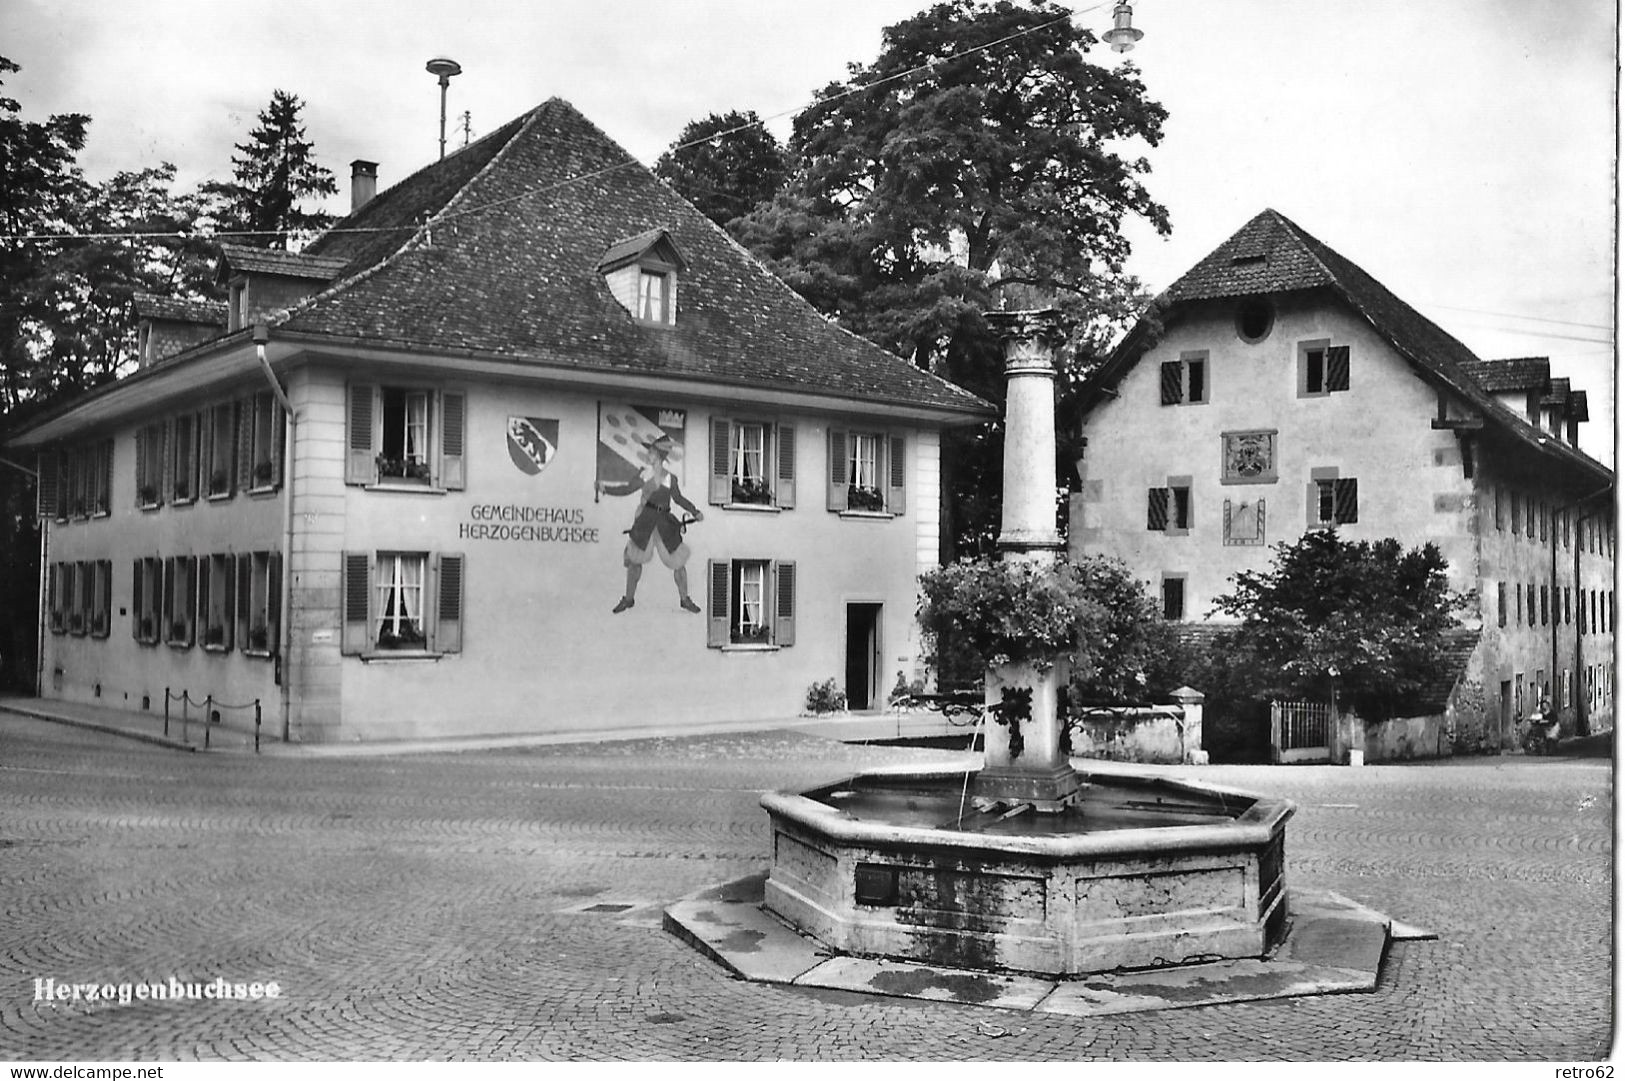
(152, 306)
(1557, 392)
(274, 261)
(1459, 644)
(495, 251)
(1271, 254)
(1578, 408)
(624, 251)
(1515, 373)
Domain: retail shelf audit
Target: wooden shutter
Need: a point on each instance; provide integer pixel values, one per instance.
(279, 436)
(191, 616)
(247, 417)
(53, 595)
(897, 468)
(1337, 368)
(784, 492)
(136, 568)
(46, 494)
(104, 597)
(273, 603)
(453, 430)
(1173, 378)
(1346, 500)
(104, 477)
(359, 464)
(245, 598)
(784, 607)
(837, 469)
(228, 598)
(448, 603)
(357, 596)
(721, 450)
(1156, 509)
(716, 611)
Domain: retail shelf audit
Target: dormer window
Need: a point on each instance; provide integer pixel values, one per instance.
(654, 289)
(641, 272)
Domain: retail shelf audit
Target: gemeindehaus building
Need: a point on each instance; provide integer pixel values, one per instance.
(522, 444)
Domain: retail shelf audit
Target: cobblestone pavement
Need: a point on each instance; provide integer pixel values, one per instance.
(505, 905)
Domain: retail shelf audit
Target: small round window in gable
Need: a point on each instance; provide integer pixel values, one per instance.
(1254, 320)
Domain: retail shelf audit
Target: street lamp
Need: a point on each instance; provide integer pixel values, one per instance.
(1122, 35)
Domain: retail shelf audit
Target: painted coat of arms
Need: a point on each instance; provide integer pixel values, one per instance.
(532, 442)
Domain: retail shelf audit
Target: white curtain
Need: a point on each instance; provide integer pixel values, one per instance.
(747, 452)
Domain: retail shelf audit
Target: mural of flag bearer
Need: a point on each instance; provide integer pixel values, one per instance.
(640, 452)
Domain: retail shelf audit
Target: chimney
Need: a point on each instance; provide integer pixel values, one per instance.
(363, 183)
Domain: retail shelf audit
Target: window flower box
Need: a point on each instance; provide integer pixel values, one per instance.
(406, 639)
(214, 636)
(146, 629)
(177, 630)
(98, 624)
(751, 491)
(402, 468)
(861, 498)
(219, 482)
(258, 636)
(262, 473)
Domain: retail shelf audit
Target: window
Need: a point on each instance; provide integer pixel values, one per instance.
(1500, 604)
(96, 596)
(1336, 501)
(219, 450)
(1530, 607)
(180, 600)
(1517, 516)
(641, 273)
(1568, 612)
(183, 477)
(1544, 600)
(56, 599)
(84, 597)
(1173, 596)
(867, 471)
(1322, 368)
(1517, 605)
(654, 296)
(404, 437)
(1544, 514)
(1529, 524)
(1168, 510)
(149, 465)
(217, 594)
(1184, 381)
(1249, 457)
(264, 438)
(753, 463)
(77, 482)
(258, 603)
(1254, 320)
(1500, 512)
(146, 591)
(402, 603)
(752, 602)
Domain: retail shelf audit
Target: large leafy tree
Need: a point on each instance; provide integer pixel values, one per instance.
(726, 165)
(1363, 620)
(273, 173)
(980, 159)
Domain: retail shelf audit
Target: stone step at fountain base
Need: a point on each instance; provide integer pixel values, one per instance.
(1333, 946)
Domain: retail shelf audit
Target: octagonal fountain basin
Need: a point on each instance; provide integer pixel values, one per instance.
(1143, 871)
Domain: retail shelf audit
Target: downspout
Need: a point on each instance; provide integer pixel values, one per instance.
(290, 428)
(41, 600)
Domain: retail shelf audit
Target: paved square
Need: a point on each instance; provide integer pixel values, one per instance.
(506, 905)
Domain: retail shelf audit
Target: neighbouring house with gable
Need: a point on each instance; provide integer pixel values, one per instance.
(1277, 388)
(523, 442)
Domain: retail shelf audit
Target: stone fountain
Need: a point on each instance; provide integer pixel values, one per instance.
(1026, 865)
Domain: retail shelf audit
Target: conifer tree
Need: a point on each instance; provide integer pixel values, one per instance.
(273, 173)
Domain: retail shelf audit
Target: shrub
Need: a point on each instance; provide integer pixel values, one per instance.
(826, 697)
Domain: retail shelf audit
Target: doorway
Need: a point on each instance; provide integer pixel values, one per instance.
(863, 662)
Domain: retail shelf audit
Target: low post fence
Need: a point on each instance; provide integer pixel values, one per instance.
(211, 715)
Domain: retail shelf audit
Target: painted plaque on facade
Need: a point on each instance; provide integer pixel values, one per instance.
(1249, 457)
(1244, 521)
(532, 442)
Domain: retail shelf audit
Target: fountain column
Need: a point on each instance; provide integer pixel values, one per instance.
(1023, 759)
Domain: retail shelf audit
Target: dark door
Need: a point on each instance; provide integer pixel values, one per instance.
(862, 655)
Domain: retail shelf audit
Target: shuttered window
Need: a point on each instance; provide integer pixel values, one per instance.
(401, 603)
(1322, 368)
(405, 436)
(868, 472)
(1337, 501)
(753, 463)
(1184, 381)
(751, 602)
(1156, 509)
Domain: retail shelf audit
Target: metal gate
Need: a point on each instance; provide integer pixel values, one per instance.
(1301, 731)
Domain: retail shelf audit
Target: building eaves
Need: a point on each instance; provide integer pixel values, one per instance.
(286, 264)
(1514, 373)
(203, 313)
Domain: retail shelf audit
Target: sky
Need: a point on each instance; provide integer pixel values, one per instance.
(1461, 151)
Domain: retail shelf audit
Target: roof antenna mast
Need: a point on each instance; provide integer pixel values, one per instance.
(444, 69)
